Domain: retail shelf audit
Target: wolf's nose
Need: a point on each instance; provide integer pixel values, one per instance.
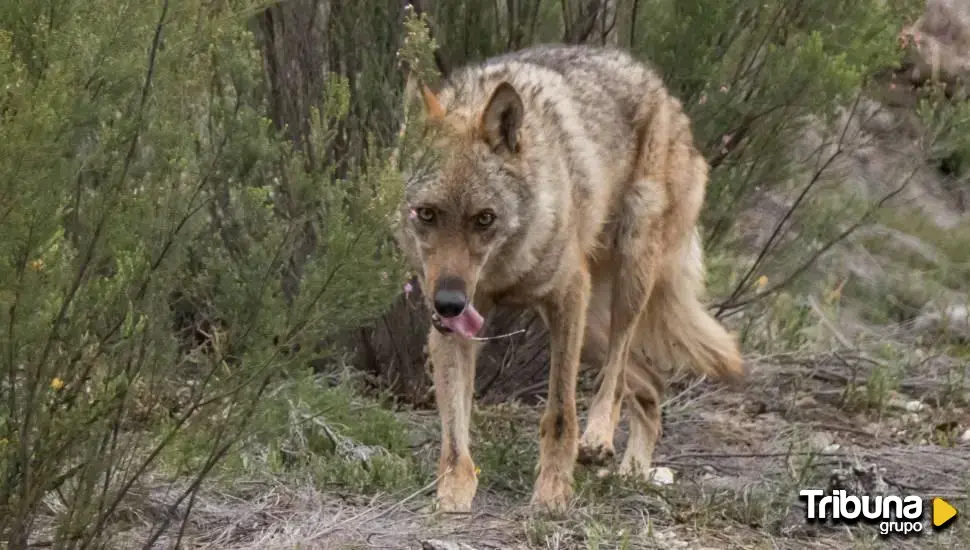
(450, 303)
(450, 298)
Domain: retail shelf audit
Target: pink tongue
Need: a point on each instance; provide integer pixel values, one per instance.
(467, 323)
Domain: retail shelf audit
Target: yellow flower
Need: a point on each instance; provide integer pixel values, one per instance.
(762, 282)
(57, 384)
(37, 265)
(478, 471)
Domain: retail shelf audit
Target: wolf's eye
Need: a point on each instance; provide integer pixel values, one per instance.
(425, 214)
(484, 219)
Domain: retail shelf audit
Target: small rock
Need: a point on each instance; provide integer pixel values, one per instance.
(821, 440)
(433, 544)
(754, 408)
(829, 449)
(965, 437)
(953, 320)
(915, 406)
(670, 540)
(662, 476)
(806, 402)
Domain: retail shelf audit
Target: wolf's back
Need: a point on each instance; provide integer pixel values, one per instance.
(588, 69)
(604, 88)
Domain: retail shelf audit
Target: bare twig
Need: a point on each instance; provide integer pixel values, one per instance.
(783, 222)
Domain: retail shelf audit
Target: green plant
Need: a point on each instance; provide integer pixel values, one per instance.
(141, 180)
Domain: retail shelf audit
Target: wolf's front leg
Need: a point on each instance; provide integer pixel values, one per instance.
(453, 361)
(565, 314)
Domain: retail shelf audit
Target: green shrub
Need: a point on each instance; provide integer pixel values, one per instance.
(139, 169)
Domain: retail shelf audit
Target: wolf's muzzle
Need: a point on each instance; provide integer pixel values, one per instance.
(436, 323)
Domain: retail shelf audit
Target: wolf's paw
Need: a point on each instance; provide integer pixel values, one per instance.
(595, 452)
(635, 467)
(656, 476)
(552, 493)
(456, 492)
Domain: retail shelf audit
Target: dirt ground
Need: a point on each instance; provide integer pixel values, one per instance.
(739, 455)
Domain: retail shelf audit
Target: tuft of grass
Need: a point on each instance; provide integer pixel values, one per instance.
(330, 433)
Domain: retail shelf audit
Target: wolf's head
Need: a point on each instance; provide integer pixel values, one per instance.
(468, 203)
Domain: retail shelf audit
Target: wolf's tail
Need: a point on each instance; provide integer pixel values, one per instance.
(676, 330)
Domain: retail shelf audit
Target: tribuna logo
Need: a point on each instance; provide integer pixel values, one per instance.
(894, 514)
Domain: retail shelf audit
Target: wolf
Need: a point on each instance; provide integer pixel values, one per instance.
(565, 179)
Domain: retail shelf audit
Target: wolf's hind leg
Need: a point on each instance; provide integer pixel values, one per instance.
(639, 247)
(632, 282)
(646, 385)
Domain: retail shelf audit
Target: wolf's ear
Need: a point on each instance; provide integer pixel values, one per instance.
(432, 106)
(502, 119)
